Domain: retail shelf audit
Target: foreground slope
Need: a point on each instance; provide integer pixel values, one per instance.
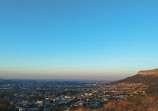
(139, 102)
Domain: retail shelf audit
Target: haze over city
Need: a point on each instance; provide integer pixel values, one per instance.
(70, 39)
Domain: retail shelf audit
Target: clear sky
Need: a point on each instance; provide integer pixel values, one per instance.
(77, 39)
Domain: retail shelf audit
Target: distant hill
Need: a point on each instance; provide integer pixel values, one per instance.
(147, 77)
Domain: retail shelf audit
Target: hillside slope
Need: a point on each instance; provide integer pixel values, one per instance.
(148, 77)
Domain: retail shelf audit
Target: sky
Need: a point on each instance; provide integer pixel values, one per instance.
(77, 39)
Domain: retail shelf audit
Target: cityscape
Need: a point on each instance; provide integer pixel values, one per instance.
(36, 95)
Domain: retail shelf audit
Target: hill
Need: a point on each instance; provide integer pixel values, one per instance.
(139, 102)
(148, 77)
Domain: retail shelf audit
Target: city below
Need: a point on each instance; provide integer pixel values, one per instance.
(62, 95)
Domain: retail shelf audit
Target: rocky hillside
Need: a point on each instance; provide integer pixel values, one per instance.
(146, 77)
(139, 102)
(148, 72)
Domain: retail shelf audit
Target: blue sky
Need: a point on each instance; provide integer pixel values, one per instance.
(71, 39)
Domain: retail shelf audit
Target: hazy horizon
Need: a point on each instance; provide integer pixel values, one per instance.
(63, 77)
(85, 39)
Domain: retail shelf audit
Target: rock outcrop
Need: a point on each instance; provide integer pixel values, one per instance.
(148, 72)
